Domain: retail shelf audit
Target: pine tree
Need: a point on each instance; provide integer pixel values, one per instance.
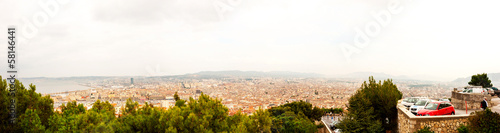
(30, 122)
(480, 80)
(372, 106)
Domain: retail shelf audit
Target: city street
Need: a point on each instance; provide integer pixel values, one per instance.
(330, 120)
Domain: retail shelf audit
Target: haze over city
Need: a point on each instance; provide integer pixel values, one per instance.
(441, 40)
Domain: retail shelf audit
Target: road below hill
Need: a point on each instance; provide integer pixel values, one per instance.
(495, 104)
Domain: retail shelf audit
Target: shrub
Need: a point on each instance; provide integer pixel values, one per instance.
(463, 129)
(484, 122)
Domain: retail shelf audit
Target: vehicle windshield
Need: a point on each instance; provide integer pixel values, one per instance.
(432, 106)
(421, 103)
(412, 100)
(444, 100)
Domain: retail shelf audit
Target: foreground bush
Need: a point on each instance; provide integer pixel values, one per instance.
(484, 122)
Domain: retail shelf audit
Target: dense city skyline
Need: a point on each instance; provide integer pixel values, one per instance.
(236, 93)
(441, 40)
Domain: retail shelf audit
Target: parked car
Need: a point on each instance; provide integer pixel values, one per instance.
(411, 101)
(419, 105)
(437, 108)
(495, 90)
(405, 100)
(490, 91)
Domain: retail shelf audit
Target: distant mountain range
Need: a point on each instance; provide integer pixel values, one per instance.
(494, 77)
(365, 75)
(382, 76)
(247, 74)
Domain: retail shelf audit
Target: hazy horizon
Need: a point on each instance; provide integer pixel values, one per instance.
(442, 40)
(284, 74)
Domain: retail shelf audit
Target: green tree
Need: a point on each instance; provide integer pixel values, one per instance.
(30, 122)
(382, 103)
(130, 107)
(338, 110)
(333, 110)
(261, 121)
(90, 121)
(66, 121)
(59, 123)
(146, 119)
(299, 106)
(239, 123)
(72, 108)
(29, 99)
(384, 97)
(103, 107)
(202, 115)
(360, 117)
(316, 114)
(103, 128)
(24, 99)
(4, 105)
(296, 123)
(173, 120)
(480, 80)
(176, 96)
(180, 103)
(295, 117)
(211, 111)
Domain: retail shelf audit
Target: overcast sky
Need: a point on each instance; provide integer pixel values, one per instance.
(440, 39)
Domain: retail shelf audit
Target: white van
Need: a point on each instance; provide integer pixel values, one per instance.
(475, 89)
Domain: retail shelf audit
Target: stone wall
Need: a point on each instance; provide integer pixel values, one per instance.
(404, 125)
(473, 100)
(409, 123)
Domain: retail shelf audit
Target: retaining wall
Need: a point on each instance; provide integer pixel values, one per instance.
(409, 123)
(473, 100)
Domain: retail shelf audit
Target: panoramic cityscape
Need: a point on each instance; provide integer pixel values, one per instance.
(239, 66)
(237, 93)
